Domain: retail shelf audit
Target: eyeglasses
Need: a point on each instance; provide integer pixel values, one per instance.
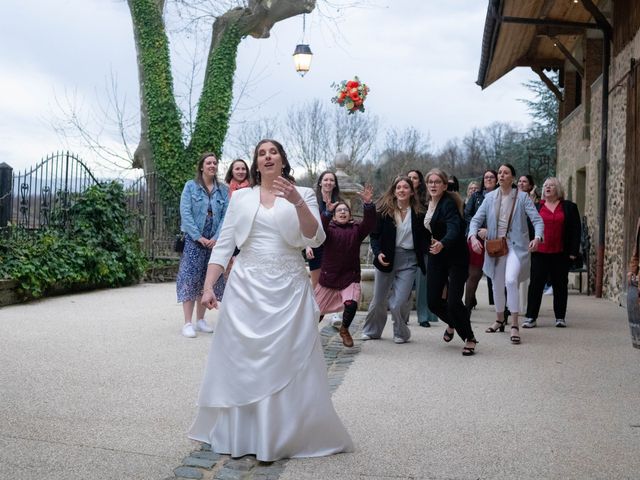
(489, 177)
(342, 210)
(434, 182)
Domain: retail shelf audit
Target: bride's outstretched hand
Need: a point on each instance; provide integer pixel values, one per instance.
(285, 189)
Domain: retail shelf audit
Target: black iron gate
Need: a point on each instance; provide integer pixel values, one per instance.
(41, 196)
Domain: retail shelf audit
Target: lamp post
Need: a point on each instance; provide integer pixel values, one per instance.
(302, 54)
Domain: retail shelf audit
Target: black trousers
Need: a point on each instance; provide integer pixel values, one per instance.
(451, 310)
(544, 266)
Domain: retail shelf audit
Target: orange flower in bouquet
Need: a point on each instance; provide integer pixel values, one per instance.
(350, 94)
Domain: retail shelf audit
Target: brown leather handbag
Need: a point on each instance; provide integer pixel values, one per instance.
(498, 247)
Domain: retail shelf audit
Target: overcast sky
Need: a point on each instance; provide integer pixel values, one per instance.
(419, 57)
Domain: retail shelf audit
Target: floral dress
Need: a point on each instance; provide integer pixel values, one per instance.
(193, 268)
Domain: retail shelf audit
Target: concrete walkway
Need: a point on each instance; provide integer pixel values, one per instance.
(101, 385)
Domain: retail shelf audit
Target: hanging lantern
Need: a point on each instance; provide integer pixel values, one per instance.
(302, 58)
(302, 54)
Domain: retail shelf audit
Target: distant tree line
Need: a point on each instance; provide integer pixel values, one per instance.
(314, 132)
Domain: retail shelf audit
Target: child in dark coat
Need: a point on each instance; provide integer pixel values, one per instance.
(339, 284)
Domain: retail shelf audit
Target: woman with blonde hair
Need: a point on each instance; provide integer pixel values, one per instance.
(399, 244)
(472, 188)
(555, 254)
(448, 259)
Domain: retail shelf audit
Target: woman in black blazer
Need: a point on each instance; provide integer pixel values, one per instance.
(448, 259)
(399, 244)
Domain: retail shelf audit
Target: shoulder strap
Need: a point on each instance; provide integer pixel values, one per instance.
(513, 205)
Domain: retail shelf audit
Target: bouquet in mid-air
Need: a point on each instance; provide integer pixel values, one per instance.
(351, 94)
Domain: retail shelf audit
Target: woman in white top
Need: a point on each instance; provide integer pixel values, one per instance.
(399, 243)
(510, 269)
(265, 389)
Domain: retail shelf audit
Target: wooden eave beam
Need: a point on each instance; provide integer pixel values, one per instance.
(550, 31)
(548, 22)
(547, 81)
(539, 62)
(601, 20)
(573, 60)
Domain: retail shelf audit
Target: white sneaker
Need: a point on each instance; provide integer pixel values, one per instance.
(529, 323)
(365, 337)
(202, 326)
(188, 331)
(399, 340)
(336, 321)
(560, 323)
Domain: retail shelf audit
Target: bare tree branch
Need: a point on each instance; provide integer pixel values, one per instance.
(107, 132)
(307, 134)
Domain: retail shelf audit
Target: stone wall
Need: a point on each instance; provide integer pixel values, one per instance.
(579, 147)
(574, 155)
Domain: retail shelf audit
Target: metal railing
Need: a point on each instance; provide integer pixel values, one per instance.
(156, 223)
(41, 197)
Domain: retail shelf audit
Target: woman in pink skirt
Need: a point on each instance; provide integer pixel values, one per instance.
(338, 287)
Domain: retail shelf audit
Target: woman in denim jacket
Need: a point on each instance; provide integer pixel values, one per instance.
(203, 205)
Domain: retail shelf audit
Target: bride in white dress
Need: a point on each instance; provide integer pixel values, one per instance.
(265, 389)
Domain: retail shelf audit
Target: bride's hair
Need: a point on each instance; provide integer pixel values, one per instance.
(286, 166)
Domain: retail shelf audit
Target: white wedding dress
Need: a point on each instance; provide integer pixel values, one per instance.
(265, 389)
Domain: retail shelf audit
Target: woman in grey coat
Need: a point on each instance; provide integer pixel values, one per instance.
(511, 269)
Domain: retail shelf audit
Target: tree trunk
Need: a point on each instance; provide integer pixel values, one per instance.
(142, 157)
(161, 148)
(217, 91)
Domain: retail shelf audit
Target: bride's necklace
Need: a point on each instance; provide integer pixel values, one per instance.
(403, 209)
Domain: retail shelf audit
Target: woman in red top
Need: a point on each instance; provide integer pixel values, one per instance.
(553, 259)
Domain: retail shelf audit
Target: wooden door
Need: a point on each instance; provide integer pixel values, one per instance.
(632, 161)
